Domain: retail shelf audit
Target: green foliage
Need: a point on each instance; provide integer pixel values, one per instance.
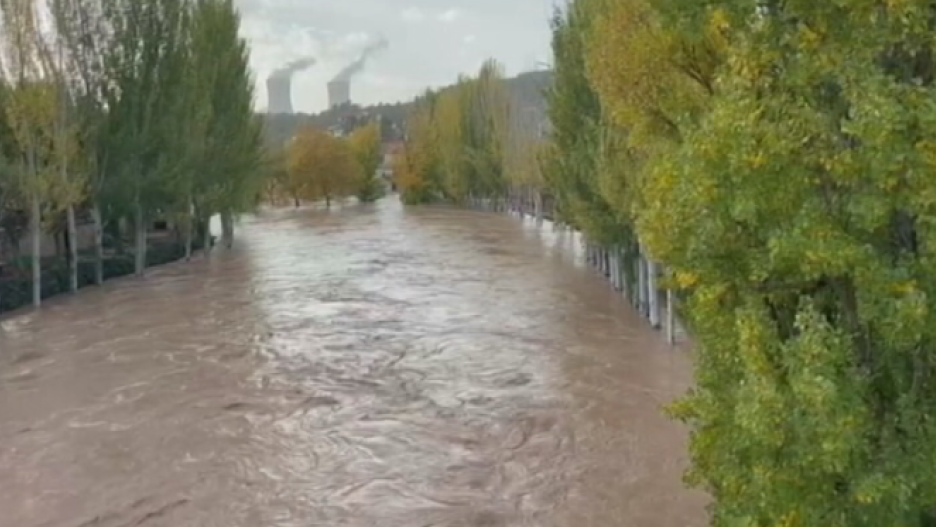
(456, 145)
(136, 110)
(367, 148)
(808, 176)
(779, 164)
(320, 166)
(579, 139)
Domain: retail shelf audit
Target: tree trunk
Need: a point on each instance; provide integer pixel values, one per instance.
(58, 238)
(189, 233)
(98, 244)
(327, 201)
(670, 317)
(207, 244)
(72, 229)
(35, 216)
(642, 296)
(227, 229)
(139, 227)
(538, 206)
(188, 236)
(653, 295)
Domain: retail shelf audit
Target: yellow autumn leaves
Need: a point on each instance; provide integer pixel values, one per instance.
(468, 141)
(778, 161)
(319, 166)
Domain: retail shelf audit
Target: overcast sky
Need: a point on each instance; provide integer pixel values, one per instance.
(430, 42)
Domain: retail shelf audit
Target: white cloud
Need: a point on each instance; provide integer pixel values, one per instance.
(450, 15)
(426, 48)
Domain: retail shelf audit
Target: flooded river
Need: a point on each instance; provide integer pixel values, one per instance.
(372, 366)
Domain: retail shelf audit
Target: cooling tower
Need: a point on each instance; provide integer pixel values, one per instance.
(279, 97)
(339, 92)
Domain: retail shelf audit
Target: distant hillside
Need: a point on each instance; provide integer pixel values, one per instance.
(526, 92)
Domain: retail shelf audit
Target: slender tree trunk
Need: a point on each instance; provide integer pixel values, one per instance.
(35, 216)
(72, 229)
(538, 206)
(227, 229)
(653, 295)
(140, 230)
(642, 296)
(58, 238)
(670, 317)
(98, 244)
(189, 233)
(208, 245)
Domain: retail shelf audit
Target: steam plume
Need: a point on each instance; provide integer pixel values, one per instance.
(358, 65)
(287, 71)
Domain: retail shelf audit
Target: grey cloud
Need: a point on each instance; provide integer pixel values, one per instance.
(420, 55)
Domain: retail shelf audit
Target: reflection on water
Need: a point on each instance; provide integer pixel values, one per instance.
(371, 366)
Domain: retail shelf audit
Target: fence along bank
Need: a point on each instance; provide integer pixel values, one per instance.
(626, 268)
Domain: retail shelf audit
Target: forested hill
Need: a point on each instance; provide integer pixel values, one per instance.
(526, 90)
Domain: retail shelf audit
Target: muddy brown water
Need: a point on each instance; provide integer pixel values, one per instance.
(371, 366)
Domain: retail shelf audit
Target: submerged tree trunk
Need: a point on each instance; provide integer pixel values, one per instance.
(189, 228)
(98, 244)
(538, 206)
(35, 216)
(187, 237)
(227, 229)
(653, 306)
(72, 230)
(139, 227)
(642, 296)
(207, 237)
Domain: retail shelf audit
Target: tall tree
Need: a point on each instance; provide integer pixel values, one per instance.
(322, 166)
(80, 26)
(797, 212)
(33, 113)
(578, 133)
(367, 148)
(231, 176)
(417, 170)
(147, 70)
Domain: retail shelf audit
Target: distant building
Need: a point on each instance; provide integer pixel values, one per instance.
(339, 93)
(279, 95)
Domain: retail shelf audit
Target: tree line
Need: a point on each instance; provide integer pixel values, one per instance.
(777, 159)
(468, 142)
(129, 112)
(315, 165)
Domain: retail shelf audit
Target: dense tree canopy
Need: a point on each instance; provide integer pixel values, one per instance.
(777, 161)
(367, 148)
(320, 166)
(466, 141)
(132, 111)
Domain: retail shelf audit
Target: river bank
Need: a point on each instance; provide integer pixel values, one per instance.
(16, 281)
(626, 268)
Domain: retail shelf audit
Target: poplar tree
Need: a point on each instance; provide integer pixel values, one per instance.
(798, 213)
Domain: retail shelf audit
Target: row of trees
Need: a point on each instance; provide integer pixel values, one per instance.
(318, 166)
(777, 158)
(467, 141)
(128, 110)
